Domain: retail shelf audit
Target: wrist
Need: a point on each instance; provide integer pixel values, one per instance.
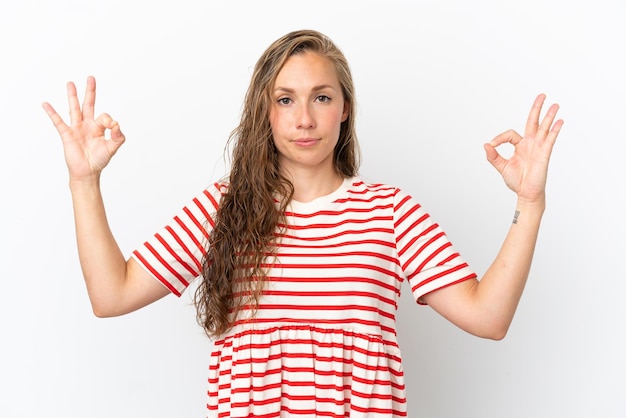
(91, 181)
(528, 211)
(534, 205)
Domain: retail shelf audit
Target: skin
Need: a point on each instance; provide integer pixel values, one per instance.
(115, 286)
(306, 126)
(486, 307)
(305, 118)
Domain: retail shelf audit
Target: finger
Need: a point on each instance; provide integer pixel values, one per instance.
(546, 123)
(90, 98)
(105, 121)
(554, 131)
(75, 115)
(58, 122)
(116, 135)
(532, 123)
(509, 136)
(494, 157)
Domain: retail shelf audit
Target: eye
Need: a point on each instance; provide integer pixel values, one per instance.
(323, 99)
(284, 101)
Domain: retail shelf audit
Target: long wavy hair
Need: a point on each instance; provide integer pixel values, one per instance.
(242, 243)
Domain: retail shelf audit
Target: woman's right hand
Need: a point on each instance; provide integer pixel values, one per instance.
(87, 150)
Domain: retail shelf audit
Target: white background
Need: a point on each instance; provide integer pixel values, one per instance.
(435, 79)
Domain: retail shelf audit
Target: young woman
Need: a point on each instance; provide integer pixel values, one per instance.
(301, 262)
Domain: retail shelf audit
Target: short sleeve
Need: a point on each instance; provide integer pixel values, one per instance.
(427, 257)
(174, 254)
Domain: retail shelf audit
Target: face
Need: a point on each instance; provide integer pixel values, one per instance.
(306, 113)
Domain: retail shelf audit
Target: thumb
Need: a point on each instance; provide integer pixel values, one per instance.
(105, 121)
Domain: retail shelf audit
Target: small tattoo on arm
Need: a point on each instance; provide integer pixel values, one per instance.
(515, 216)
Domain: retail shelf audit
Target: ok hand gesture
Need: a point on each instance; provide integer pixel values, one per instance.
(87, 150)
(525, 172)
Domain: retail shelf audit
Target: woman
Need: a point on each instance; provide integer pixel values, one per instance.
(301, 261)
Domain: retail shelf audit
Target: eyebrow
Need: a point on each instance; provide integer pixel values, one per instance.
(316, 88)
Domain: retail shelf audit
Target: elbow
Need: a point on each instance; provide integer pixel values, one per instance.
(499, 331)
(103, 307)
(497, 335)
(495, 331)
(102, 310)
(99, 312)
(490, 335)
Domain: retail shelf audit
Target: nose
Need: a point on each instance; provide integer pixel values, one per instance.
(305, 118)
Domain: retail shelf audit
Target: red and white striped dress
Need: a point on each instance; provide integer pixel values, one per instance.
(323, 342)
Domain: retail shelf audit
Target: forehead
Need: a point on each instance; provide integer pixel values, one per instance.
(307, 69)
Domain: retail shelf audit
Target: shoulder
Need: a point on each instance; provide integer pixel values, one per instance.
(358, 185)
(367, 189)
(208, 200)
(217, 189)
(382, 195)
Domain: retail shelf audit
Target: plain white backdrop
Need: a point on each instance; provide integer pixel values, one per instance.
(435, 80)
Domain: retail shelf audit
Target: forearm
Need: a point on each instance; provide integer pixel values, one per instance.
(102, 262)
(486, 307)
(499, 291)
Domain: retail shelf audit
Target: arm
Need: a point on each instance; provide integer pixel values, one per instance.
(486, 307)
(115, 286)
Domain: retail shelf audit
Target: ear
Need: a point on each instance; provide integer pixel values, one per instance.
(346, 111)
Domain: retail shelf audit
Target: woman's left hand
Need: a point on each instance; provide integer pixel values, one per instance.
(525, 172)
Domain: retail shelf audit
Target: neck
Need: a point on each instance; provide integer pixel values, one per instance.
(311, 184)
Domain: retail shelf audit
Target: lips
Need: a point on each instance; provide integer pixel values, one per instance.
(306, 142)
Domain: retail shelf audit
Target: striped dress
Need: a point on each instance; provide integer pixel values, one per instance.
(323, 342)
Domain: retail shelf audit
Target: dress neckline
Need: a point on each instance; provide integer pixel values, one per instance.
(321, 201)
